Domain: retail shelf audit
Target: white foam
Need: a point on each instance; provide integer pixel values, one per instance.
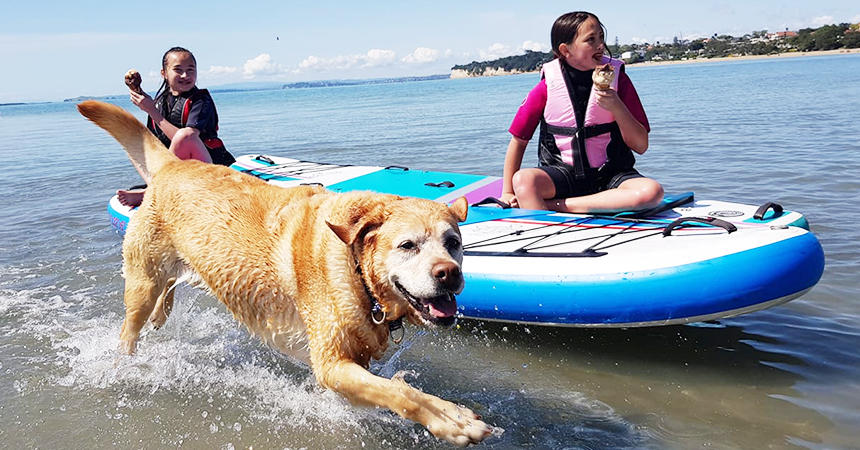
(200, 353)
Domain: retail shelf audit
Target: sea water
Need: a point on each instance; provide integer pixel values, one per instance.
(782, 130)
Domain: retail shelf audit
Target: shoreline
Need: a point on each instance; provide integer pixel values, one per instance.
(746, 57)
(494, 72)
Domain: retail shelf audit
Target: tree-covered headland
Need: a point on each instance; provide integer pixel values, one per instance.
(828, 37)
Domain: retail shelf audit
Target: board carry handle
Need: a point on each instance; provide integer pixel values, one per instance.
(264, 159)
(705, 220)
(445, 183)
(405, 169)
(492, 200)
(762, 210)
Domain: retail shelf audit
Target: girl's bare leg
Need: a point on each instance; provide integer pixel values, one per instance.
(531, 187)
(632, 195)
(186, 145)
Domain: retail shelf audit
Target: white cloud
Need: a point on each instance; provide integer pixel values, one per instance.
(496, 51)
(499, 50)
(310, 62)
(373, 58)
(260, 65)
(378, 57)
(421, 55)
(464, 55)
(222, 70)
(534, 46)
(820, 21)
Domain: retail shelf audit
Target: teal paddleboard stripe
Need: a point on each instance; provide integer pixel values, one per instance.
(268, 176)
(479, 214)
(262, 173)
(409, 183)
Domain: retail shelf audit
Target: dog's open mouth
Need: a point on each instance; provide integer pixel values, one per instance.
(438, 310)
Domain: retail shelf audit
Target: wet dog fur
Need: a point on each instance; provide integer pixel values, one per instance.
(297, 266)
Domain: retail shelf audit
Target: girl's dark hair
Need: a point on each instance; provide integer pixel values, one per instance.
(564, 29)
(160, 95)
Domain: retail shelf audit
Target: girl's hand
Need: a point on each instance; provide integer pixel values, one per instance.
(635, 134)
(510, 199)
(609, 100)
(143, 101)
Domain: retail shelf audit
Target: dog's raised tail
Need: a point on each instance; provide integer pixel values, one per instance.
(146, 152)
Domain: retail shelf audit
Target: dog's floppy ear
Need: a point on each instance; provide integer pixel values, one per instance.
(460, 208)
(355, 219)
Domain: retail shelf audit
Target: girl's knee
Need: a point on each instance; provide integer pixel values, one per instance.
(187, 145)
(532, 183)
(182, 135)
(655, 190)
(651, 192)
(524, 181)
(644, 192)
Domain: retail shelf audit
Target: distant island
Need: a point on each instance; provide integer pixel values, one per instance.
(828, 37)
(530, 62)
(81, 98)
(334, 83)
(268, 86)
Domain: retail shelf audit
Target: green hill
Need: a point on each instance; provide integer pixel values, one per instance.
(530, 62)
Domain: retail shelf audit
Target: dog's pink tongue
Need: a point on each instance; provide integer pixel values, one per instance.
(443, 308)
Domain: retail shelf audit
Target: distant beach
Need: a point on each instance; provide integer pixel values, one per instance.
(492, 72)
(748, 57)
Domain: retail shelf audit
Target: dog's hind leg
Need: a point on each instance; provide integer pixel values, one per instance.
(147, 270)
(142, 291)
(140, 298)
(164, 304)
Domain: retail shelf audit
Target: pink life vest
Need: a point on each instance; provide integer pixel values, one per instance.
(559, 112)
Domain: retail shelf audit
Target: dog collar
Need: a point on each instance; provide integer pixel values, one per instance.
(376, 310)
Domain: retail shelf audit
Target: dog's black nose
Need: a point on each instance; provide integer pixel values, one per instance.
(448, 274)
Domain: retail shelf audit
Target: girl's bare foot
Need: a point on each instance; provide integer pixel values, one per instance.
(131, 197)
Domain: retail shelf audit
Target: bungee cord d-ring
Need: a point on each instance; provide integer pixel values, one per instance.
(398, 339)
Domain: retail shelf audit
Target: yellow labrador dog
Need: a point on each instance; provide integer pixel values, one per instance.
(313, 273)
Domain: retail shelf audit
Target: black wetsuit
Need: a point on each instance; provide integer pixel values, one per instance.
(194, 108)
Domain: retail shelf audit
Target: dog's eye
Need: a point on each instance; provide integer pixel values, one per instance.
(407, 245)
(452, 243)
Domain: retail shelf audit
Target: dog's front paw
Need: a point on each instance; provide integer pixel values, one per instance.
(158, 318)
(127, 347)
(457, 424)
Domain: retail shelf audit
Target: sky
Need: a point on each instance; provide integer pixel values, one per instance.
(52, 50)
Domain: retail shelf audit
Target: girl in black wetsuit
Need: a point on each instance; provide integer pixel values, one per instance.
(182, 116)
